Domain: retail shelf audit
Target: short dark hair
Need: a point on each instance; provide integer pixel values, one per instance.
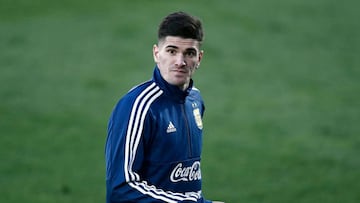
(181, 24)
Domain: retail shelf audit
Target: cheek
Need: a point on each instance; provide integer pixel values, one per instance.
(163, 59)
(191, 63)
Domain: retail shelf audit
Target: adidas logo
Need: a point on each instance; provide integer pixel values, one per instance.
(171, 128)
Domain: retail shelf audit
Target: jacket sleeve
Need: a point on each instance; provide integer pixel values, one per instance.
(124, 153)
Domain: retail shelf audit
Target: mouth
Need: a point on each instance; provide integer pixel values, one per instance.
(180, 71)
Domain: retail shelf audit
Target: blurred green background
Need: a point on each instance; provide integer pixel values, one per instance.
(280, 79)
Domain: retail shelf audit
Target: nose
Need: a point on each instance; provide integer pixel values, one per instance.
(180, 61)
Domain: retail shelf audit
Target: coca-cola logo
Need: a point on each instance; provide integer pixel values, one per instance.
(190, 173)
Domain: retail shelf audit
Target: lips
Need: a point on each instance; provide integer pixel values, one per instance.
(180, 71)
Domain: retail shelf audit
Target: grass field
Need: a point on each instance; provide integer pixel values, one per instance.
(280, 79)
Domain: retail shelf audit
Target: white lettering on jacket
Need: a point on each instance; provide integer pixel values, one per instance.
(190, 173)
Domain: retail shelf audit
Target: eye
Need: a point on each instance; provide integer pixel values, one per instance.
(190, 53)
(171, 51)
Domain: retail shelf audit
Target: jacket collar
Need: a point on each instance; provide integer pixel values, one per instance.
(170, 90)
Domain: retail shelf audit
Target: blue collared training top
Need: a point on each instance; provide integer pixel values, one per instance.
(154, 142)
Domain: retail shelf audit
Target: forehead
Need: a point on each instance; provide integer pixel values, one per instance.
(183, 43)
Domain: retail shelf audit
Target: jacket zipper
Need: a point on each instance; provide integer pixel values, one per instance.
(187, 129)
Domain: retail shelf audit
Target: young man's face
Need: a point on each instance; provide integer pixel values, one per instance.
(177, 59)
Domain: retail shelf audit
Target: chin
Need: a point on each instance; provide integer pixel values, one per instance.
(178, 82)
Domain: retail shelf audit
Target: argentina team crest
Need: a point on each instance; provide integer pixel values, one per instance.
(197, 117)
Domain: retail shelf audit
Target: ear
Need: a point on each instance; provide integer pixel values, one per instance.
(156, 53)
(201, 54)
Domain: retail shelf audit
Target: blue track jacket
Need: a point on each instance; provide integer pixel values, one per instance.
(154, 145)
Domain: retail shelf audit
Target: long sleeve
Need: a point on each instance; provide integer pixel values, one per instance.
(124, 154)
(121, 179)
(124, 157)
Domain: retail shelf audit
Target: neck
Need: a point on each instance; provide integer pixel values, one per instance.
(184, 86)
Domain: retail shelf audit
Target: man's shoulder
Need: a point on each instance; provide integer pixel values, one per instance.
(140, 87)
(144, 90)
(139, 95)
(195, 92)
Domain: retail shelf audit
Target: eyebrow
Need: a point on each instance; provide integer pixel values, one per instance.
(175, 47)
(171, 46)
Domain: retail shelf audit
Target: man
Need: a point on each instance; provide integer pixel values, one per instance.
(154, 138)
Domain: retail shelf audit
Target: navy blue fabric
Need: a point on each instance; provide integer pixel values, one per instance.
(153, 148)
